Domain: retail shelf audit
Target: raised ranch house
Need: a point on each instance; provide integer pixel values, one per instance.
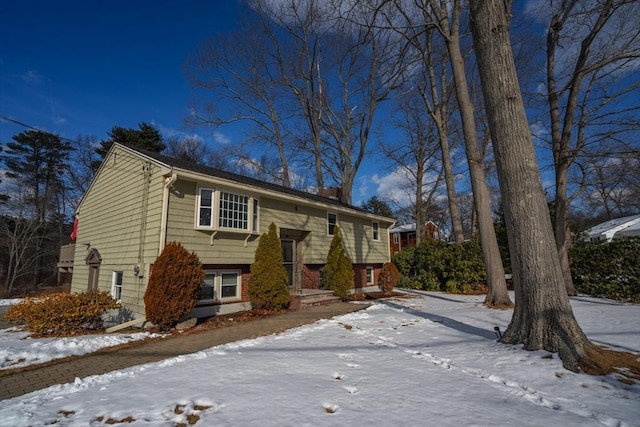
(139, 201)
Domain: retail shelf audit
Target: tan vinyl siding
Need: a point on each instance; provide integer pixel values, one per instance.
(111, 215)
(229, 247)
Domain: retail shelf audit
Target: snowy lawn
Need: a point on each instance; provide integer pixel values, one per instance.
(431, 360)
(18, 349)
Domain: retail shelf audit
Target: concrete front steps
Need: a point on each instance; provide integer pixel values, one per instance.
(312, 298)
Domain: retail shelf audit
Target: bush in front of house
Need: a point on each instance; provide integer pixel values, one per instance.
(389, 277)
(174, 286)
(337, 273)
(268, 282)
(62, 314)
(435, 265)
(608, 269)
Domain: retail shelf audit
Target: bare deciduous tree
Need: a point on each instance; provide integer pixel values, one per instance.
(418, 157)
(431, 78)
(542, 317)
(446, 16)
(316, 63)
(592, 50)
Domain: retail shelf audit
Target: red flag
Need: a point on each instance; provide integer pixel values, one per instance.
(74, 232)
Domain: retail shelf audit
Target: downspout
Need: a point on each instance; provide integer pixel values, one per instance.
(168, 182)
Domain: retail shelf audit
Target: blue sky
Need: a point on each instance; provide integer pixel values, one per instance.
(80, 68)
(74, 67)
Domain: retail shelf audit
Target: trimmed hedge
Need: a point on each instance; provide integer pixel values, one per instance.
(62, 314)
(435, 265)
(268, 281)
(608, 269)
(337, 273)
(174, 286)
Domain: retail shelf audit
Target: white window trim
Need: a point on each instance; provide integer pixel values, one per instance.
(336, 223)
(215, 211)
(114, 286)
(255, 215)
(217, 287)
(370, 269)
(375, 231)
(199, 205)
(396, 238)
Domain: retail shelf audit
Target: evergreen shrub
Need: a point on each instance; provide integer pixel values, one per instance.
(608, 269)
(435, 265)
(174, 286)
(62, 314)
(268, 283)
(389, 277)
(337, 273)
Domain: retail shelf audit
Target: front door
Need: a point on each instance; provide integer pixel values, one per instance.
(288, 256)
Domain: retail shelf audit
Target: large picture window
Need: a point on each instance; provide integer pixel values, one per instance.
(225, 210)
(234, 211)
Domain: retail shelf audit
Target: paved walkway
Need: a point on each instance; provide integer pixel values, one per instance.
(17, 384)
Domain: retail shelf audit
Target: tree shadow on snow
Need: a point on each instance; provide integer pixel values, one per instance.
(444, 321)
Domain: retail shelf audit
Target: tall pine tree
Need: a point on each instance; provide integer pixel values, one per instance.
(36, 162)
(146, 137)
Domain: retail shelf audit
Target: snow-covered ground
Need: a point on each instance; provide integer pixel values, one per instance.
(18, 349)
(431, 360)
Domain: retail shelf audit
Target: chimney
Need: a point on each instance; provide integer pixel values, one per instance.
(331, 193)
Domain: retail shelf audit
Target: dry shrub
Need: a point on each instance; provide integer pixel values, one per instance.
(60, 314)
(174, 286)
(389, 277)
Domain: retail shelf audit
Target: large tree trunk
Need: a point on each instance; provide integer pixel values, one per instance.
(542, 317)
(497, 295)
(456, 221)
(563, 232)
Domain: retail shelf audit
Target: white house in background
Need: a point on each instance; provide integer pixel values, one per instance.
(615, 228)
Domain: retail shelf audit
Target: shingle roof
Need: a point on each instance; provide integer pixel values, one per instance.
(219, 173)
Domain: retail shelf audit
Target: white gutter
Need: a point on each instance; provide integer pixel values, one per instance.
(168, 182)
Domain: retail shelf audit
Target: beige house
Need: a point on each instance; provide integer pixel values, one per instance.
(139, 201)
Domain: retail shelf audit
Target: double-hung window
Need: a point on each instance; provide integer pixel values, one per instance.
(332, 220)
(369, 275)
(208, 287)
(396, 238)
(116, 285)
(205, 208)
(229, 285)
(220, 286)
(376, 231)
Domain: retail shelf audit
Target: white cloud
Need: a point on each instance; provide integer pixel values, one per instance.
(221, 138)
(32, 77)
